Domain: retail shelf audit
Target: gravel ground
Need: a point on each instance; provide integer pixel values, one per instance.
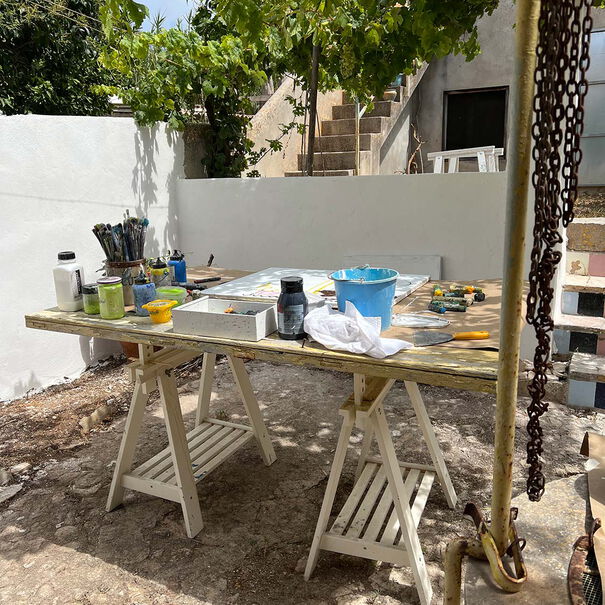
(60, 546)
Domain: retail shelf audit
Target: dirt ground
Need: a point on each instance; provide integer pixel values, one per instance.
(58, 545)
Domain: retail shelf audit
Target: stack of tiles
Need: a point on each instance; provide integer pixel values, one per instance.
(580, 329)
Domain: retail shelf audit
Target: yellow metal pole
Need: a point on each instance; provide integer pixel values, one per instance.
(519, 152)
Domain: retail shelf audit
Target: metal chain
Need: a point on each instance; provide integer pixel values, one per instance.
(560, 77)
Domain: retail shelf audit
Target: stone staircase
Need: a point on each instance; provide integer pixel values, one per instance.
(335, 147)
(580, 327)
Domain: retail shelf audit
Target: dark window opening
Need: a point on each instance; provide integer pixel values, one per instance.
(475, 118)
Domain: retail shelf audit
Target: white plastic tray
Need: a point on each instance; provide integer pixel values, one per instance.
(206, 317)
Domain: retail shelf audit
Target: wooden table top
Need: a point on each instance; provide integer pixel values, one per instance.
(469, 369)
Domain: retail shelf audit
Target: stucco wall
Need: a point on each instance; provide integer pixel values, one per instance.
(396, 147)
(317, 222)
(58, 177)
(493, 67)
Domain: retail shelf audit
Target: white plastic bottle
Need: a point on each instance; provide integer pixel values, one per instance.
(69, 277)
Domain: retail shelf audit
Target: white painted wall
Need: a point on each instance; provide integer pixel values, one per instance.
(59, 176)
(316, 222)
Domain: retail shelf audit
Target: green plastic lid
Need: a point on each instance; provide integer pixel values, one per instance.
(176, 291)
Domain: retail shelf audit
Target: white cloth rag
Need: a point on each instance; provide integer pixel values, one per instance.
(351, 331)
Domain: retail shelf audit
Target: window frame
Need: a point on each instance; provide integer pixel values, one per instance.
(460, 91)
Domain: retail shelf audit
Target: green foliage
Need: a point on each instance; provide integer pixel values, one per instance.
(48, 58)
(197, 71)
(364, 44)
(229, 48)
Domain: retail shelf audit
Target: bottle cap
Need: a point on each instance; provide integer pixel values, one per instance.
(67, 255)
(292, 283)
(90, 289)
(177, 255)
(109, 281)
(141, 278)
(158, 264)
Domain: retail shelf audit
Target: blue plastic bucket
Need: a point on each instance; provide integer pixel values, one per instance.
(371, 290)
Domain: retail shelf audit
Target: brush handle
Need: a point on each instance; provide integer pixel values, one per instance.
(482, 335)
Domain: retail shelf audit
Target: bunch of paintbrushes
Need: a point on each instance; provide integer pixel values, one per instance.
(123, 242)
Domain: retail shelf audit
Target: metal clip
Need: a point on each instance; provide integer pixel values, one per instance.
(506, 581)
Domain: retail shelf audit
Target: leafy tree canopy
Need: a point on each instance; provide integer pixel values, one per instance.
(364, 44)
(229, 48)
(48, 58)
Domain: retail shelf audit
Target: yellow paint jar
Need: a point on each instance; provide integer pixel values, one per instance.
(160, 310)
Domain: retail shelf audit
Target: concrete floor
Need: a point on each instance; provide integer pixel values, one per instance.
(550, 527)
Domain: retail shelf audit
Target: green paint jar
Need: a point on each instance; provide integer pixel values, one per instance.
(111, 297)
(90, 296)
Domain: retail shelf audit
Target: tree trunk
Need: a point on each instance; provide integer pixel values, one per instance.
(312, 109)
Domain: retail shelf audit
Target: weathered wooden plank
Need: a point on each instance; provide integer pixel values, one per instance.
(163, 455)
(380, 514)
(209, 466)
(346, 512)
(468, 369)
(362, 548)
(164, 471)
(392, 526)
(152, 487)
(369, 502)
(422, 495)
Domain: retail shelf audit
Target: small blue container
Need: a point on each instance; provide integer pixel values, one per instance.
(144, 292)
(177, 260)
(371, 290)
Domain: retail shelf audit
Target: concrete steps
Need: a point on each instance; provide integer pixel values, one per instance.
(347, 126)
(335, 145)
(381, 108)
(334, 160)
(343, 142)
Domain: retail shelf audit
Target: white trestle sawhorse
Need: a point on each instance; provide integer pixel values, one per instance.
(172, 474)
(380, 517)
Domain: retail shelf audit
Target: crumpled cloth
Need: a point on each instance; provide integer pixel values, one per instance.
(351, 331)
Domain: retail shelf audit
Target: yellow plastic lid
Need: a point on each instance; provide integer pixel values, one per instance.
(157, 306)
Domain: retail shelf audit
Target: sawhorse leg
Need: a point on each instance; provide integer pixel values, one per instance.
(132, 428)
(177, 440)
(205, 392)
(333, 479)
(242, 381)
(380, 494)
(431, 441)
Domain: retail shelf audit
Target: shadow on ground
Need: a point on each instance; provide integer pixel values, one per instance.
(60, 546)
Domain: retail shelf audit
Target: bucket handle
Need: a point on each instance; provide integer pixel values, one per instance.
(361, 279)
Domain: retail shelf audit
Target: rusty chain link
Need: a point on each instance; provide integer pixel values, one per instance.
(560, 78)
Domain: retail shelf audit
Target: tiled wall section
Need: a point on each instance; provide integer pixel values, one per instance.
(586, 263)
(581, 342)
(583, 303)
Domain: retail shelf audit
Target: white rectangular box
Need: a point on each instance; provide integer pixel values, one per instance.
(206, 317)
